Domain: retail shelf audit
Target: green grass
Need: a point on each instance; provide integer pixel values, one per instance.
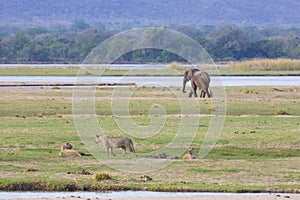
(38, 71)
(261, 67)
(231, 152)
(258, 150)
(207, 170)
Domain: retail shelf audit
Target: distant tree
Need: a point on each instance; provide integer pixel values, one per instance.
(189, 30)
(229, 43)
(72, 45)
(168, 57)
(4, 50)
(252, 33)
(39, 54)
(293, 51)
(58, 28)
(267, 49)
(292, 48)
(36, 31)
(79, 25)
(19, 41)
(99, 26)
(58, 52)
(87, 39)
(202, 41)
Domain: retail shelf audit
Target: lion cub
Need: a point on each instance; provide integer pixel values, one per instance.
(190, 154)
(66, 149)
(116, 142)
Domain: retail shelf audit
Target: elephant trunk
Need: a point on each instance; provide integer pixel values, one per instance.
(183, 88)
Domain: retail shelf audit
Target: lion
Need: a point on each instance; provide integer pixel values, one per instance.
(116, 142)
(162, 155)
(66, 149)
(190, 154)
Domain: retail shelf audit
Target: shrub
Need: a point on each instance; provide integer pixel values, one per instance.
(101, 176)
(175, 65)
(55, 88)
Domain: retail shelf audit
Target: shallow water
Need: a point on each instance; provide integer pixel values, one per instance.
(121, 194)
(164, 81)
(110, 66)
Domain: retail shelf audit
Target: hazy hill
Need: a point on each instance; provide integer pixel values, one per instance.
(155, 12)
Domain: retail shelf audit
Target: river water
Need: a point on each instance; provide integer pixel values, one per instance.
(109, 66)
(163, 81)
(120, 194)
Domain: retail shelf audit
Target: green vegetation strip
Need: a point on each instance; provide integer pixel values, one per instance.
(263, 67)
(258, 150)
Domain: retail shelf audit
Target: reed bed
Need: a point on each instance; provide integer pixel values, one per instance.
(281, 64)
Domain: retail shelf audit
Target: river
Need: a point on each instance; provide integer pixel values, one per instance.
(119, 194)
(110, 66)
(163, 81)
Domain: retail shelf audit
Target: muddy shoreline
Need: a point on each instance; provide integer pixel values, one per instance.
(115, 186)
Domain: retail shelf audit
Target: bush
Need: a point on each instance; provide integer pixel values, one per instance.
(55, 88)
(101, 176)
(175, 66)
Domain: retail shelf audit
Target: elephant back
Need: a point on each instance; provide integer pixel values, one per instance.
(205, 77)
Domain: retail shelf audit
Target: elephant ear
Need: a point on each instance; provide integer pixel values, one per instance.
(189, 75)
(186, 73)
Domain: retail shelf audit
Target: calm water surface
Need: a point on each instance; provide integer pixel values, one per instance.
(121, 194)
(165, 81)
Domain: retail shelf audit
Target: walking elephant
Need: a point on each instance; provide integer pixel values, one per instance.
(198, 79)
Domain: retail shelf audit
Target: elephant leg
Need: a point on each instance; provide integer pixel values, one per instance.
(191, 93)
(195, 92)
(206, 92)
(202, 94)
(208, 95)
(194, 89)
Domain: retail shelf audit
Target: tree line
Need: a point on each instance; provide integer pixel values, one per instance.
(73, 44)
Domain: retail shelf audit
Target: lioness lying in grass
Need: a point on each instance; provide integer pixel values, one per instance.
(190, 154)
(66, 149)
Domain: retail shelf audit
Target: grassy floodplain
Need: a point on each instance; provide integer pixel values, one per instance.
(260, 67)
(258, 150)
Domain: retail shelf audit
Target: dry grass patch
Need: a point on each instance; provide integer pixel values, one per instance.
(265, 65)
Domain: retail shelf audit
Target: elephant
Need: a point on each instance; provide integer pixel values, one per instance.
(198, 79)
(206, 78)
